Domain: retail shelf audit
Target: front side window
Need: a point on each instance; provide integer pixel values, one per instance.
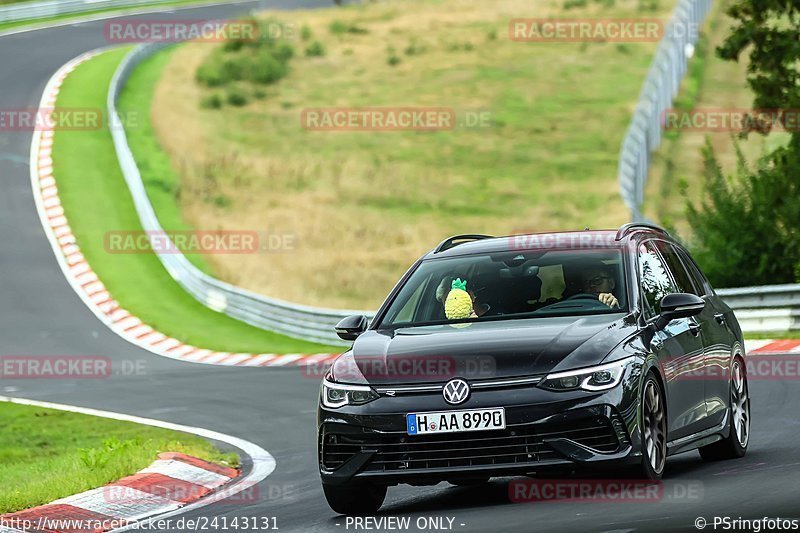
(683, 280)
(509, 285)
(654, 277)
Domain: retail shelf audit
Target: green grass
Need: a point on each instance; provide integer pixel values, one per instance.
(47, 454)
(159, 176)
(96, 200)
(773, 335)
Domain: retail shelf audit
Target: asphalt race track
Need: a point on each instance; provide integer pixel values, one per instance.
(275, 408)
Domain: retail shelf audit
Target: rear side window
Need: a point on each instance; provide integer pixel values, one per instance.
(683, 281)
(654, 276)
(694, 272)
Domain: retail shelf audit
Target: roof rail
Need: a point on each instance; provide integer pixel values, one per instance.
(455, 240)
(636, 226)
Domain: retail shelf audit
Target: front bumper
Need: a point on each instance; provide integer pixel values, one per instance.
(544, 430)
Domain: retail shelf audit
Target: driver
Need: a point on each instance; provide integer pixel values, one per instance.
(599, 281)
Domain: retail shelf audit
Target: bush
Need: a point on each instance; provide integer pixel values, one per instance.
(305, 33)
(237, 97)
(746, 230)
(315, 49)
(339, 27)
(569, 4)
(414, 48)
(262, 61)
(212, 101)
(266, 69)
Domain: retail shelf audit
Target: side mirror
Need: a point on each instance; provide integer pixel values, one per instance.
(349, 328)
(679, 305)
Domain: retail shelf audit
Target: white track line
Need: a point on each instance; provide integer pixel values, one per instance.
(263, 462)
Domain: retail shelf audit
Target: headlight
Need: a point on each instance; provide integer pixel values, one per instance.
(592, 379)
(338, 394)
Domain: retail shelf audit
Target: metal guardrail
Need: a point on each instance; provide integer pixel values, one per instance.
(309, 323)
(660, 87)
(38, 10)
(771, 308)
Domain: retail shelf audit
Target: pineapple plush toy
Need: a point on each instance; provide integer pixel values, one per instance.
(458, 303)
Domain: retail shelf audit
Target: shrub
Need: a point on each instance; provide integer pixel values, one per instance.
(211, 101)
(237, 97)
(263, 62)
(315, 49)
(339, 27)
(305, 33)
(747, 227)
(414, 48)
(393, 60)
(569, 4)
(266, 69)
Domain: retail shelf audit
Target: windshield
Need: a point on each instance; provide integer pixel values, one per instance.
(510, 285)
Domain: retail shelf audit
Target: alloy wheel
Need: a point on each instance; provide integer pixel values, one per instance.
(740, 404)
(655, 427)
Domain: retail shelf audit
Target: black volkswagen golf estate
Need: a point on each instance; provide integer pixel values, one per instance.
(533, 353)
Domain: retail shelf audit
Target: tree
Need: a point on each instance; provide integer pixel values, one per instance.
(771, 29)
(747, 226)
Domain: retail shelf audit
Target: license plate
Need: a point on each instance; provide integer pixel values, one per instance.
(456, 421)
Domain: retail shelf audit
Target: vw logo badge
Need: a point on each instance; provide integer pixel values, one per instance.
(456, 391)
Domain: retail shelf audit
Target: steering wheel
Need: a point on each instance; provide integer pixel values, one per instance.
(583, 296)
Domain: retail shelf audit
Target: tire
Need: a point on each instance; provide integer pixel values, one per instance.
(653, 421)
(735, 444)
(355, 499)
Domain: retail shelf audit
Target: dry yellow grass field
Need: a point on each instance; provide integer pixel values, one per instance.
(361, 206)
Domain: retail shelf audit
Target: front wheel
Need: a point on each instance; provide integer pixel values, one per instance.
(735, 445)
(654, 430)
(355, 499)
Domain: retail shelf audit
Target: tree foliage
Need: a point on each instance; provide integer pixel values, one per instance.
(770, 29)
(747, 226)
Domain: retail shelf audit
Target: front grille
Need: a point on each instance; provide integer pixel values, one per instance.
(510, 446)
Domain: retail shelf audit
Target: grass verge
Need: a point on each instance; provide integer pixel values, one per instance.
(47, 454)
(96, 200)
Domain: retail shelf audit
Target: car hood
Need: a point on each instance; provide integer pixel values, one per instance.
(486, 350)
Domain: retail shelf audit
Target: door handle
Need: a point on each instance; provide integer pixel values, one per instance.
(720, 318)
(695, 329)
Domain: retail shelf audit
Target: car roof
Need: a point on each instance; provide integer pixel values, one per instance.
(562, 240)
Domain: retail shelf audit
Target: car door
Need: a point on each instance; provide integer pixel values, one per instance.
(718, 338)
(678, 347)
